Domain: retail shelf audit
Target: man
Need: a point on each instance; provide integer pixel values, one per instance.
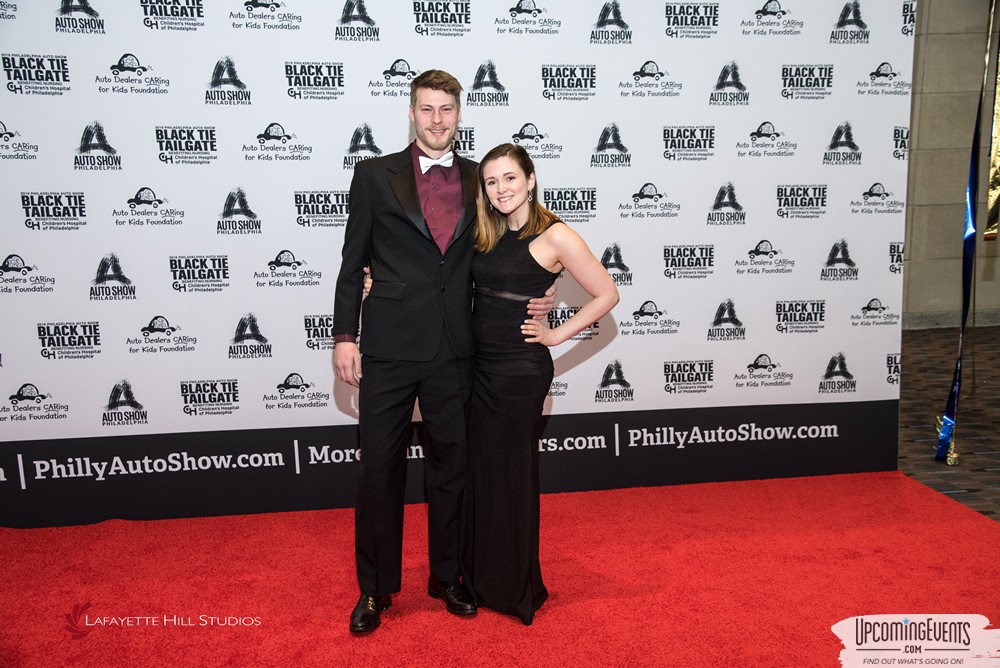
(410, 221)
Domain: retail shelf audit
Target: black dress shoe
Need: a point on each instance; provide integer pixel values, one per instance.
(367, 614)
(456, 597)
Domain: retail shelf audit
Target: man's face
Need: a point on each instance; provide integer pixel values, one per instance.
(435, 115)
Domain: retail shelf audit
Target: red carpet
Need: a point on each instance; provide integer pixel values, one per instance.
(726, 574)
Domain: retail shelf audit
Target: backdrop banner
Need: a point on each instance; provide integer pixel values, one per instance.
(176, 189)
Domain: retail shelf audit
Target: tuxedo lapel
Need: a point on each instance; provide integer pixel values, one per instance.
(469, 186)
(404, 186)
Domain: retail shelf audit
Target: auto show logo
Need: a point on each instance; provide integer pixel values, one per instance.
(572, 205)
(689, 261)
(322, 208)
(649, 319)
(18, 277)
(109, 272)
(123, 409)
(874, 314)
(355, 25)
(362, 146)
(691, 20)
(614, 388)
(314, 81)
(610, 152)
(560, 314)
(726, 325)
(199, 273)
(531, 137)
(851, 28)
(69, 340)
(843, 150)
(729, 90)
(130, 77)
(395, 80)
(237, 216)
(319, 331)
(877, 199)
(801, 201)
(487, 91)
(29, 404)
(266, 19)
(433, 18)
(892, 362)
(693, 143)
(77, 17)
(688, 376)
(761, 373)
(248, 342)
(63, 211)
(800, 316)
(726, 209)
(15, 150)
(569, 82)
(884, 80)
(184, 17)
(29, 74)
(839, 266)
(900, 142)
(765, 143)
(186, 144)
(771, 21)
(650, 81)
(837, 379)
(226, 88)
(294, 393)
(144, 208)
(95, 153)
(274, 144)
(908, 17)
(762, 261)
(806, 82)
(611, 27)
(896, 257)
(284, 271)
(646, 204)
(613, 262)
(160, 336)
(210, 397)
(525, 19)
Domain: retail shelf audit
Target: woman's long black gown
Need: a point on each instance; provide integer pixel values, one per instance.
(512, 379)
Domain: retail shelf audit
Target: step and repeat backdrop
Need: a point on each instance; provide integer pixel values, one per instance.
(176, 177)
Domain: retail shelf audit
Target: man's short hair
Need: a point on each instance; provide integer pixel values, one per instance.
(436, 80)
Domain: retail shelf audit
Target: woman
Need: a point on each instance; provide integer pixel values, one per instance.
(521, 249)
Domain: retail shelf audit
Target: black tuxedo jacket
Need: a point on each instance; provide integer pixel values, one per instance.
(418, 294)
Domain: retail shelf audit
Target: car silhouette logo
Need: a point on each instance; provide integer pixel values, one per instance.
(648, 69)
(127, 63)
(294, 382)
(762, 248)
(771, 8)
(525, 7)
(647, 310)
(873, 305)
(274, 131)
(28, 392)
(877, 190)
(284, 259)
(399, 68)
(250, 4)
(884, 71)
(648, 191)
(6, 134)
(761, 362)
(159, 324)
(766, 129)
(145, 197)
(527, 131)
(14, 264)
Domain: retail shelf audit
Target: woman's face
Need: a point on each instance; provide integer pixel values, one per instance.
(507, 187)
